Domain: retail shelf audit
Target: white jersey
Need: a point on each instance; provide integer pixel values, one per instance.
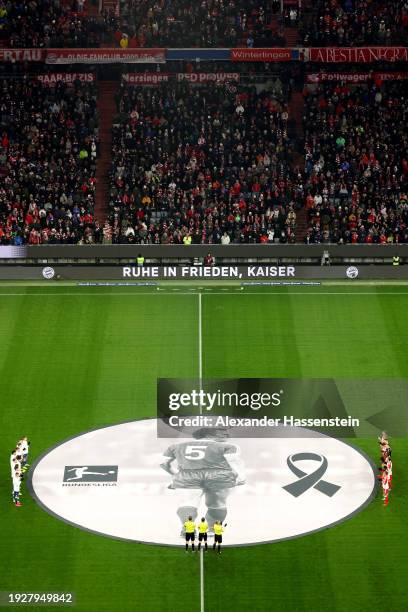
(13, 464)
(16, 482)
(23, 447)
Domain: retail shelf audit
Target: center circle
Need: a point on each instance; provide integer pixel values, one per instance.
(109, 481)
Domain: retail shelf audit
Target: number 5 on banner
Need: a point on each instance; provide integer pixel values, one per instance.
(195, 453)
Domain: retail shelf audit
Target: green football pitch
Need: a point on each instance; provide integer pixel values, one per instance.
(78, 358)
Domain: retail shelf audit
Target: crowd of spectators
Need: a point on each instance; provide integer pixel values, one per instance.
(353, 23)
(48, 151)
(49, 23)
(210, 23)
(356, 144)
(206, 164)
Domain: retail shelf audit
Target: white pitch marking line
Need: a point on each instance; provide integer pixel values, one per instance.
(200, 378)
(320, 293)
(114, 295)
(200, 341)
(90, 294)
(202, 608)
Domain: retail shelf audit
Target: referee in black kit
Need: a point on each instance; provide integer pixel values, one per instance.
(202, 533)
(218, 531)
(190, 528)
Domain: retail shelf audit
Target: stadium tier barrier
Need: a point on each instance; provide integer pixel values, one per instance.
(233, 252)
(363, 55)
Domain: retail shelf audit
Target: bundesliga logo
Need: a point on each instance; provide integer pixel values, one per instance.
(92, 473)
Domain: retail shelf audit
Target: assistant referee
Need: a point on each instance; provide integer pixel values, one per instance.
(218, 531)
(202, 533)
(190, 528)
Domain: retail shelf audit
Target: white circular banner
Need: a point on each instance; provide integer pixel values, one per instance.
(111, 481)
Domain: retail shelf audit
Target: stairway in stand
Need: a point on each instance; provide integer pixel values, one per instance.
(92, 9)
(296, 113)
(112, 6)
(292, 37)
(106, 112)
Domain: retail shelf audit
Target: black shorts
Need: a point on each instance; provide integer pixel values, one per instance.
(190, 536)
(202, 536)
(218, 539)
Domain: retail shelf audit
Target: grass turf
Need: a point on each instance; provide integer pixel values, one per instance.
(86, 357)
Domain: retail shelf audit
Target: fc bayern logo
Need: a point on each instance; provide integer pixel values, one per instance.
(352, 272)
(48, 273)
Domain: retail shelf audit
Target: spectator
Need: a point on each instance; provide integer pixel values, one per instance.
(188, 168)
(356, 151)
(47, 176)
(352, 23)
(50, 23)
(209, 24)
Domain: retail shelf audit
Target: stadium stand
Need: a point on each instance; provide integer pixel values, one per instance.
(48, 150)
(242, 160)
(202, 163)
(212, 23)
(49, 23)
(356, 162)
(352, 23)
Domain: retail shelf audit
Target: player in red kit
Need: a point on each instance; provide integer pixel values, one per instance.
(385, 487)
(388, 468)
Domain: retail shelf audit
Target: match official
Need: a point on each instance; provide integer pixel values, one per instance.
(218, 531)
(202, 533)
(190, 528)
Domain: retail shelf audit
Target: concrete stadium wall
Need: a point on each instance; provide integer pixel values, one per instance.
(239, 251)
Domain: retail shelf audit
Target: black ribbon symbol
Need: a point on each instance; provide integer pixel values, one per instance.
(306, 481)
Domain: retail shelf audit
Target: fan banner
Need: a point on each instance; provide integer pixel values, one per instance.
(68, 78)
(364, 55)
(261, 55)
(105, 56)
(22, 55)
(355, 77)
(197, 78)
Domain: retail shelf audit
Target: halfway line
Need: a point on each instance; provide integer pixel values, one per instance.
(201, 580)
(200, 378)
